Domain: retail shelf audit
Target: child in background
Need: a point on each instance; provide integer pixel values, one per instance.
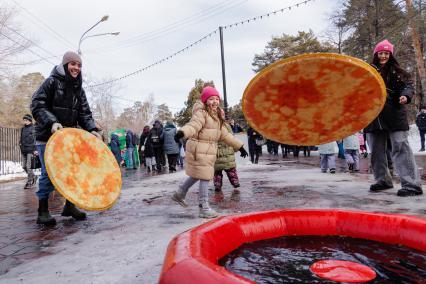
(351, 146)
(327, 157)
(225, 162)
(203, 131)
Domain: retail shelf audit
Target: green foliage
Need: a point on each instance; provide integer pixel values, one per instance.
(372, 21)
(236, 113)
(184, 115)
(287, 46)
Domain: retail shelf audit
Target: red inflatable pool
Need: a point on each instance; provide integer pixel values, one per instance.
(193, 255)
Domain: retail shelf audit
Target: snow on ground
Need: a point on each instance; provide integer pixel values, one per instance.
(11, 170)
(9, 177)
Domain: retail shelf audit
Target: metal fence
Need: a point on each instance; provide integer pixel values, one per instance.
(10, 153)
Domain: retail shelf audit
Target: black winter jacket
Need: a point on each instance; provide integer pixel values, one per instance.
(155, 135)
(393, 117)
(27, 140)
(147, 143)
(421, 121)
(53, 102)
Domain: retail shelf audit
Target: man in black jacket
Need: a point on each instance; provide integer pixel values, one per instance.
(421, 124)
(60, 102)
(28, 148)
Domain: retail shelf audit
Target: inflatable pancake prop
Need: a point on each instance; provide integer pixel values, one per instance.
(83, 169)
(313, 99)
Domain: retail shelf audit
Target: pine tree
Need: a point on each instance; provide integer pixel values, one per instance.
(287, 46)
(185, 114)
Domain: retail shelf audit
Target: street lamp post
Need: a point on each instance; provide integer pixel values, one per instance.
(82, 39)
(103, 19)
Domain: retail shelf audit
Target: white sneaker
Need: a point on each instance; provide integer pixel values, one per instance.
(177, 198)
(207, 213)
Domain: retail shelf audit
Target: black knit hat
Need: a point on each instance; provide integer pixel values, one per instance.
(28, 117)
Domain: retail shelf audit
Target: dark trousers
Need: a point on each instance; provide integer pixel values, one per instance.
(275, 148)
(117, 154)
(172, 160)
(422, 138)
(306, 151)
(296, 150)
(159, 157)
(285, 149)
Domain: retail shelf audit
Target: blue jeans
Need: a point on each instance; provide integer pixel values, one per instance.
(131, 158)
(45, 186)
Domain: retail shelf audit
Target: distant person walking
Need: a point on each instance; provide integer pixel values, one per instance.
(130, 149)
(328, 157)
(392, 123)
(421, 125)
(28, 149)
(351, 146)
(115, 148)
(155, 136)
(171, 147)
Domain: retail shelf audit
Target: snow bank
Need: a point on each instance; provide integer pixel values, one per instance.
(10, 167)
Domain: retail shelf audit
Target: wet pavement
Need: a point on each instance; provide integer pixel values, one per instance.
(145, 207)
(21, 239)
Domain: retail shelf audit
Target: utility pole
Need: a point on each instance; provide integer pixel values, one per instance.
(222, 55)
(376, 21)
(416, 44)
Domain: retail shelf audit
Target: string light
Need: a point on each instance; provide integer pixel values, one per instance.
(261, 17)
(198, 41)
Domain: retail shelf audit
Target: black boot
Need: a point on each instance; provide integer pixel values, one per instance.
(71, 211)
(380, 186)
(44, 216)
(28, 184)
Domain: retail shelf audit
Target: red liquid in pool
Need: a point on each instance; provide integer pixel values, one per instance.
(288, 259)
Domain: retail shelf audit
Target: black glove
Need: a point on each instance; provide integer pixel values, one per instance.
(243, 152)
(179, 135)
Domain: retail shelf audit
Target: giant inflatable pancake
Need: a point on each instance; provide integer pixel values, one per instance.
(83, 169)
(313, 99)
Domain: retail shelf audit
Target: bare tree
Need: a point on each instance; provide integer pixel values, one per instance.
(11, 44)
(137, 116)
(338, 31)
(102, 103)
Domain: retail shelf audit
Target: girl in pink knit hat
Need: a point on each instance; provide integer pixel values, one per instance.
(392, 124)
(203, 131)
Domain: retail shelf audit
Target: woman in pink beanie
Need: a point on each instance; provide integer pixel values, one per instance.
(392, 124)
(203, 131)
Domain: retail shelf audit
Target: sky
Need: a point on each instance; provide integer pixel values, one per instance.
(153, 30)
